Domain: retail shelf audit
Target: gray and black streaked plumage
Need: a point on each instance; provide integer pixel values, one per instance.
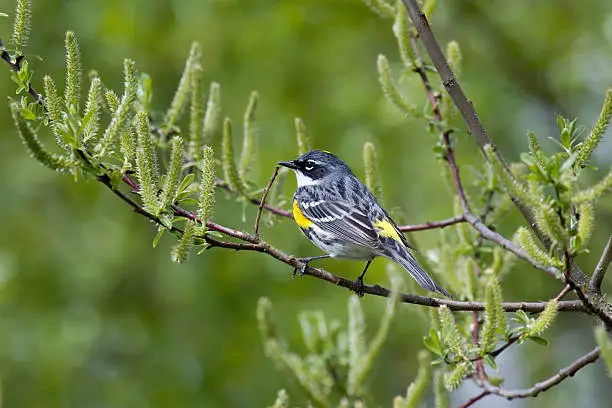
(340, 215)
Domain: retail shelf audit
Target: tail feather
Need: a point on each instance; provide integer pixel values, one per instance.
(407, 261)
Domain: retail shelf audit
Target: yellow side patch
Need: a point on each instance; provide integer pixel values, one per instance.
(386, 229)
(299, 217)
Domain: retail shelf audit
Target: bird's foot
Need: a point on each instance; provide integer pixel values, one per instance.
(359, 287)
(301, 270)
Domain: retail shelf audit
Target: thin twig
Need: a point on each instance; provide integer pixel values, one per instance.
(602, 267)
(446, 74)
(550, 382)
(563, 292)
(263, 200)
(475, 399)
(500, 349)
(432, 224)
(479, 365)
(508, 245)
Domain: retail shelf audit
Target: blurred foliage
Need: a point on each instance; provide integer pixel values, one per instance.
(94, 316)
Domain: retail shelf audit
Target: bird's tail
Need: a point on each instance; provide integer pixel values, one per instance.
(406, 259)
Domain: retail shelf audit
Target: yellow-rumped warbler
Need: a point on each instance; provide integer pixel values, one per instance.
(340, 215)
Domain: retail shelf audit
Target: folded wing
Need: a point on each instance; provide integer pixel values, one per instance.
(342, 219)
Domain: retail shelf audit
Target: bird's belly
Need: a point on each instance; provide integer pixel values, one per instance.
(337, 248)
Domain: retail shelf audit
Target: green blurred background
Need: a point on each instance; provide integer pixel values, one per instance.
(92, 316)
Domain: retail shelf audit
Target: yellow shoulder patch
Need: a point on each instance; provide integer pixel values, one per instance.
(386, 229)
(299, 217)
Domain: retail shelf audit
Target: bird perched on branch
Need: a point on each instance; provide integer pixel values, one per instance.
(340, 215)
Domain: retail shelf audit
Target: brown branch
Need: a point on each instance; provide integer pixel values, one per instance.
(480, 371)
(263, 201)
(550, 382)
(563, 292)
(475, 399)
(450, 82)
(254, 243)
(432, 224)
(601, 268)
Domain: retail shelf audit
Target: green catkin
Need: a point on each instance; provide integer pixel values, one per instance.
(146, 164)
(544, 320)
(249, 140)
(172, 178)
(391, 91)
(30, 140)
(206, 198)
(21, 28)
(180, 252)
(72, 94)
(303, 138)
(592, 141)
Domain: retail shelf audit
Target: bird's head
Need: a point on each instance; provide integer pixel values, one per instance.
(312, 167)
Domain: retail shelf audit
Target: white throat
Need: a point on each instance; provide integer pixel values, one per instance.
(303, 180)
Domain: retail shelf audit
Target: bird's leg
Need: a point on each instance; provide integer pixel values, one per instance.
(306, 261)
(359, 280)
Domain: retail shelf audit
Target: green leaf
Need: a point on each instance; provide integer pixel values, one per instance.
(160, 233)
(539, 340)
(432, 342)
(490, 361)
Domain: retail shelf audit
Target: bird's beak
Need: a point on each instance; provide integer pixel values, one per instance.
(289, 164)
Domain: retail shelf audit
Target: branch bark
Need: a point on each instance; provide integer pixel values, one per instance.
(252, 242)
(550, 382)
(602, 267)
